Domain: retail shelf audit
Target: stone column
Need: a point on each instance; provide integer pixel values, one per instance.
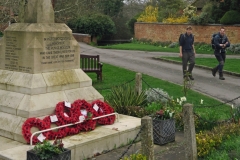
(189, 133)
(37, 11)
(138, 83)
(147, 138)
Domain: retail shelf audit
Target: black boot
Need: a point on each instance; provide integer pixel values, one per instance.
(221, 76)
(214, 71)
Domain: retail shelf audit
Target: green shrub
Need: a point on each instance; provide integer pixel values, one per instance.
(234, 48)
(137, 111)
(135, 157)
(131, 22)
(236, 113)
(157, 95)
(94, 24)
(230, 17)
(201, 19)
(124, 96)
(153, 107)
(173, 45)
(46, 150)
(208, 141)
(205, 16)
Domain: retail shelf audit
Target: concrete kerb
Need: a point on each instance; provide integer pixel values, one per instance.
(196, 65)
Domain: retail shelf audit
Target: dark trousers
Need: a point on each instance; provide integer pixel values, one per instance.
(221, 59)
(188, 56)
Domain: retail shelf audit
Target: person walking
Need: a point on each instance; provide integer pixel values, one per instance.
(187, 53)
(221, 42)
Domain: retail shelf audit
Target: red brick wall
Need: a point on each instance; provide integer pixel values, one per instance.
(170, 32)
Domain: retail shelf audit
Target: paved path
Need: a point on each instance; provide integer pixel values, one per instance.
(143, 62)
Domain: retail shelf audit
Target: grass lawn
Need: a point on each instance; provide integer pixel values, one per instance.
(230, 64)
(110, 79)
(228, 147)
(151, 48)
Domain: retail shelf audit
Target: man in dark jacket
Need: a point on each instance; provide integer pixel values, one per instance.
(187, 52)
(221, 43)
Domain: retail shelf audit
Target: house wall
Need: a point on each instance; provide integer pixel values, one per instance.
(159, 32)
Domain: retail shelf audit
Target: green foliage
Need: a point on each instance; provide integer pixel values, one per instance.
(207, 141)
(205, 16)
(169, 7)
(231, 17)
(234, 48)
(46, 150)
(173, 45)
(165, 113)
(157, 95)
(95, 24)
(220, 8)
(137, 111)
(153, 107)
(190, 11)
(124, 96)
(137, 156)
(111, 8)
(228, 150)
(131, 22)
(236, 113)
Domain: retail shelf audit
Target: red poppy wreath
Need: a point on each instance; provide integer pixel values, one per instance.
(65, 115)
(60, 133)
(103, 109)
(28, 124)
(87, 112)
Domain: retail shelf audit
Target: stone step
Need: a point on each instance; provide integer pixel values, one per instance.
(84, 144)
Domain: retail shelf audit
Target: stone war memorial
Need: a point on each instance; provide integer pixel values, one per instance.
(40, 68)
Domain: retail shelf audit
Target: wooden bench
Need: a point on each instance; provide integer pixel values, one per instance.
(91, 63)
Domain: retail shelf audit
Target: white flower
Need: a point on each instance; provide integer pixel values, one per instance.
(201, 101)
(183, 99)
(232, 106)
(177, 100)
(180, 102)
(171, 114)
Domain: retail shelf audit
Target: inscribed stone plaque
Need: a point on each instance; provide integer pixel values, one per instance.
(39, 47)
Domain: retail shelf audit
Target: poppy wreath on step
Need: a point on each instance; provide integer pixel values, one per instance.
(88, 123)
(33, 122)
(60, 133)
(65, 115)
(71, 130)
(104, 109)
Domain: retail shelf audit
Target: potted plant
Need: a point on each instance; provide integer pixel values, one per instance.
(163, 126)
(48, 151)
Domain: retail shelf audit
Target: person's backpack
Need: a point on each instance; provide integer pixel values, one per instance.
(180, 37)
(212, 41)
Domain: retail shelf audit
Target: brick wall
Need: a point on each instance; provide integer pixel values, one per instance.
(86, 38)
(170, 32)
